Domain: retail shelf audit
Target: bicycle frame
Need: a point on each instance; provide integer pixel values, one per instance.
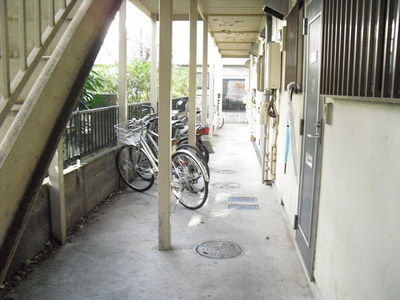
(154, 156)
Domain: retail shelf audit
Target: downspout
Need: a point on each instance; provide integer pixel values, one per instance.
(266, 157)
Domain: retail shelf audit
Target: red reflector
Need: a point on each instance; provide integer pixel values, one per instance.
(203, 131)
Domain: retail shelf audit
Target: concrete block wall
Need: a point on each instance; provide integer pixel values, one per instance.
(85, 187)
(88, 185)
(37, 232)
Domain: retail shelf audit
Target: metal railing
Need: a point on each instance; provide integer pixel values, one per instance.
(26, 30)
(89, 131)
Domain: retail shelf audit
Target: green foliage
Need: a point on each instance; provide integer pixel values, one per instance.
(109, 74)
(138, 80)
(103, 79)
(180, 81)
(89, 96)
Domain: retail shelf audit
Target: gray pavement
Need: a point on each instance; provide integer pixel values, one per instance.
(117, 256)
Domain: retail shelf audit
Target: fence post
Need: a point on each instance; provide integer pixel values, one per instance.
(57, 196)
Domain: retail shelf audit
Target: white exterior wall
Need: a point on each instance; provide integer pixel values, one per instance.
(286, 186)
(357, 254)
(357, 245)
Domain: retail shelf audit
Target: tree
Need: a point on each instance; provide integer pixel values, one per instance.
(180, 81)
(103, 79)
(89, 96)
(138, 80)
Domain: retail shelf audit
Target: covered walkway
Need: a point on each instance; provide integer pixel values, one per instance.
(117, 256)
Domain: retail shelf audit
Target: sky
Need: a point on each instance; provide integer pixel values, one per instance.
(139, 37)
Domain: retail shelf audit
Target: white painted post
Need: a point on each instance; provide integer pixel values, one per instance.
(38, 23)
(153, 79)
(5, 89)
(22, 35)
(192, 71)
(205, 72)
(212, 89)
(122, 67)
(51, 13)
(57, 196)
(164, 126)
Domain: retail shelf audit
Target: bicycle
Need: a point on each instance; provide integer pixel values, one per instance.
(179, 137)
(137, 164)
(181, 134)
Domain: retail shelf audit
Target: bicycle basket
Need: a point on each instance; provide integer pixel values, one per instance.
(129, 132)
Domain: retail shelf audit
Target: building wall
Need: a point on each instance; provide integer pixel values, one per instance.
(356, 245)
(357, 251)
(286, 184)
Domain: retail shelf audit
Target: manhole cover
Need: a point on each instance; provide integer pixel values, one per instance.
(226, 185)
(226, 172)
(218, 249)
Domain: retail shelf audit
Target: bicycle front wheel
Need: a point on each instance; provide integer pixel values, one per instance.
(189, 180)
(135, 168)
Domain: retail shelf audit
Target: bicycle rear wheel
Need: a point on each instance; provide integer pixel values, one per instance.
(196, 152)
(135, 168)
(188, 180)
(222, 123)
(203, 150)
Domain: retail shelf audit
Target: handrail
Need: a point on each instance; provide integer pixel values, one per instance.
(11, 88)
(91, 130)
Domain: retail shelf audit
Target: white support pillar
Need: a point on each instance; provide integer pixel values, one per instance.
(153, 79)
(122, 67)
(57, 196)
(164, 126)
(212, 89)
(218, 86)
(192, 71)
(205, 72)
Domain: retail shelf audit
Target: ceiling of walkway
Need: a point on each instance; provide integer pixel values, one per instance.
(235, 25)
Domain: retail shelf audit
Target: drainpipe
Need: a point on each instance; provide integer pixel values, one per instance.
(266, 156)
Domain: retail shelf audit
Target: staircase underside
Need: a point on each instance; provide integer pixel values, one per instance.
(28, 147)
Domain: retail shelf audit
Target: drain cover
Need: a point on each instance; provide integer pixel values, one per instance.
(244, 206)
(218, 249)
(226, 172)
(226, 185)
(242, 199)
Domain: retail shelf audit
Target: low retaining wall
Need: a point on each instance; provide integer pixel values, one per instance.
(86, 186)
(234, 117)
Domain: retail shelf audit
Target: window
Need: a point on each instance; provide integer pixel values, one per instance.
(360, 48)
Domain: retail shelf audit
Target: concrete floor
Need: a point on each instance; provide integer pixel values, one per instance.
(117, 256)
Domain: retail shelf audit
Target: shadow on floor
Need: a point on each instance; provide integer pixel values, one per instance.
(117, 256)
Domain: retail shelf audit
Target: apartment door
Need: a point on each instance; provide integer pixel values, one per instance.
(311, 152)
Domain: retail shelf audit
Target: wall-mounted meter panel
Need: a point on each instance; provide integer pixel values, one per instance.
(273, 66)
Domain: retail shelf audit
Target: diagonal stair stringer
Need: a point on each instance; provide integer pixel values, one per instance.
(28, 147)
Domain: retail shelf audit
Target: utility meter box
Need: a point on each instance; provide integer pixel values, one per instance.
(273, 66)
